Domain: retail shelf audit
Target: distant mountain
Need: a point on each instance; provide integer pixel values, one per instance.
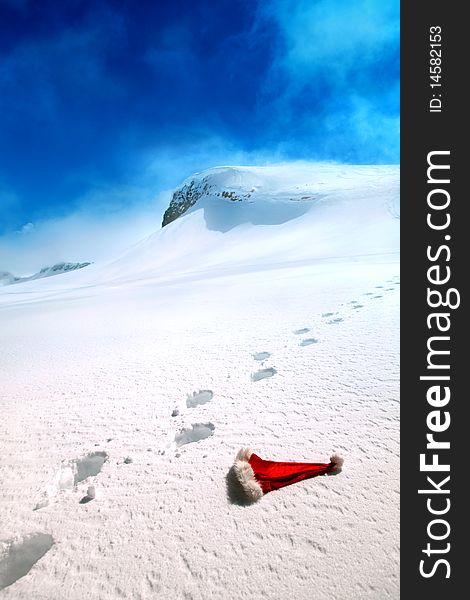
(59, 268)
(7, 278)
(240, 219)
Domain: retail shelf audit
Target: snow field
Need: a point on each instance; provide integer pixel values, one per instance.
(128, 390)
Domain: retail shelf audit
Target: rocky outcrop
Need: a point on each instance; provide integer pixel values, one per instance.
(184, 198)
(187, 196)
(62, 267)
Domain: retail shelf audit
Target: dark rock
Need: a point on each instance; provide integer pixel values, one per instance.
(184, 198)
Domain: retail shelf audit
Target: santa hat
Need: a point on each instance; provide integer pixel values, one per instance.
(258, 477)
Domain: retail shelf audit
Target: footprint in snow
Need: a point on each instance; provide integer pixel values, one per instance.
(379, 296)
(90, 495)
(261, 355)
(301, 331)
(335, 321)
(72, 473)
(327, 314)
(197, 398)
(263, 374)
(308, 342)
(356, 306)
(18, 557)
(195, 433)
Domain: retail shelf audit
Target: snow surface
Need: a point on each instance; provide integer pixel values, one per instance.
(270, 322)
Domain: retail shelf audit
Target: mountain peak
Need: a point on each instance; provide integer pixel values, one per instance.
(230, 183)
(281, 184)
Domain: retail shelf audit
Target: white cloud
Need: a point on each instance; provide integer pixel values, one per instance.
(342, 59)
(102, 228)
(27, 228)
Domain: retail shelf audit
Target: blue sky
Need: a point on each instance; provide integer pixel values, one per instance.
(105, 104)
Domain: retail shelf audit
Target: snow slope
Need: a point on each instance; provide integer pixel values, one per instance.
(266, 315)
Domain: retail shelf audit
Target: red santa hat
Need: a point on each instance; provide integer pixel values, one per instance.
(258, 477)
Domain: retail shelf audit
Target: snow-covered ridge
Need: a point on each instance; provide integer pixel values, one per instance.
(298, 182)
(7, 278)
(232, 183)
(241, 218)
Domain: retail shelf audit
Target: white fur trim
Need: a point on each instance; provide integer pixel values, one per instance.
(338, 461)
(246, 475)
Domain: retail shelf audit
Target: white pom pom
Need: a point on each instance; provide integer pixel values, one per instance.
(337, 462)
